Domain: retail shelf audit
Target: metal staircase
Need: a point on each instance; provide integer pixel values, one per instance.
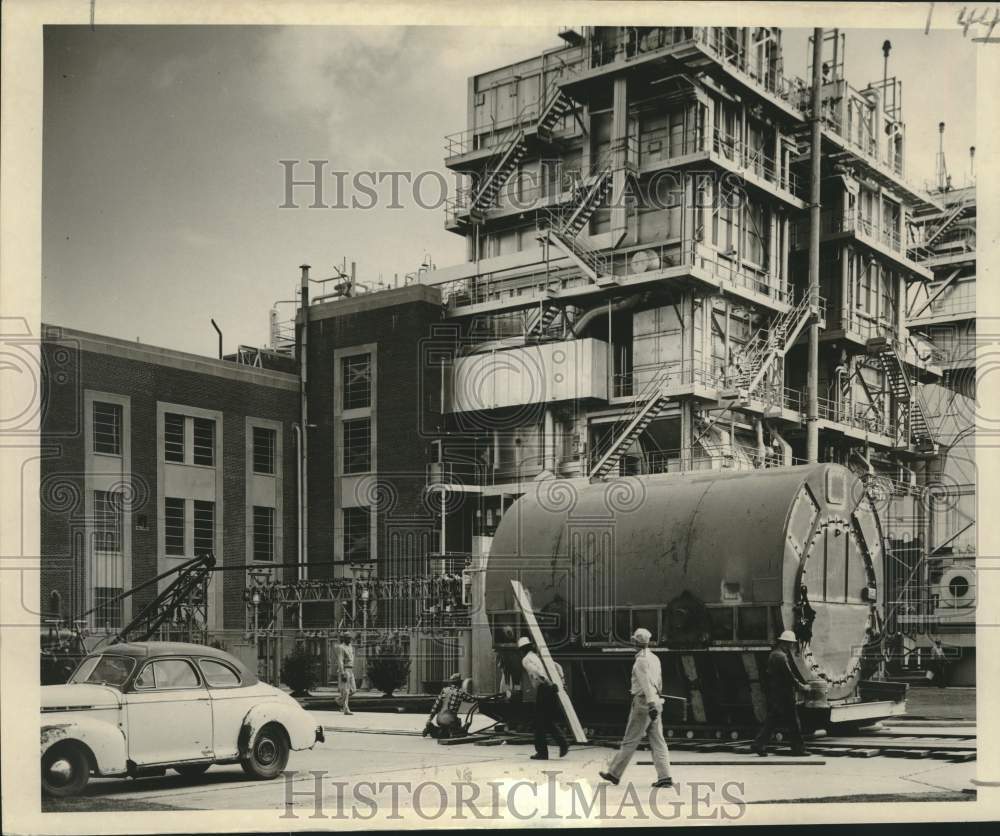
(540, 324)
(924, 250)
(641, 413)
(500, 167)
(915, 429)
(503, 163)
(565, 224)
(767, 345)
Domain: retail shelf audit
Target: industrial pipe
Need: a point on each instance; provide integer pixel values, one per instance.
(786, 448)
(812, 410)
(219, 332)
(304, 408)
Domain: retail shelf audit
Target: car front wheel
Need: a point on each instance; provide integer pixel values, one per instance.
(65, 771)
(268, 753)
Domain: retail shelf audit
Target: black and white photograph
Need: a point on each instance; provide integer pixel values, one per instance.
(431, 418)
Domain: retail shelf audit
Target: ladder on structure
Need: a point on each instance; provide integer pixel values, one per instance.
(767, 345)
(641, 413)
(541, 323)
(915, 428)
(952, 216)
(566, 224)
(506, 159)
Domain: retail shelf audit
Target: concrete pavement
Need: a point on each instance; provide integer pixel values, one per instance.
(407, 773)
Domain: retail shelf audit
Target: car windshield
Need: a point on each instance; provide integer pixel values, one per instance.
(104, 670)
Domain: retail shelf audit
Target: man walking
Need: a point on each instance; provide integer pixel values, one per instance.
(939, 663)
(782, 685)
(546, 702)
(644, 715)
(345, 661)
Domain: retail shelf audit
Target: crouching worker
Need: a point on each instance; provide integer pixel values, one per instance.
(644, 716)
(443, 721)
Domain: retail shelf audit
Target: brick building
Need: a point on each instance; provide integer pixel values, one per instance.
(152, 456)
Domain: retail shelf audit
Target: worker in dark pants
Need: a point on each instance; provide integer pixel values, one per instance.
(939, 664)
(547, 706)
(782, 686)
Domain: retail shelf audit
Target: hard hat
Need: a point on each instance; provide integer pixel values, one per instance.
(455, 677)
(524, 641)
(787, 636)
(467, 684)
(642, 636)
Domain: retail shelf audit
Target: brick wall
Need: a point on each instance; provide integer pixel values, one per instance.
(407, 392)
(145, 383)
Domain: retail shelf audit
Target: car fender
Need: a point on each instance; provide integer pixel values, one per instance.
(105, 741)
(301, 727)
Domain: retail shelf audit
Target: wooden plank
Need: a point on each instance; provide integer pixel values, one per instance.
(756, 692)
(523, 599)
(742, 762)
(863, 753)
(691, 674)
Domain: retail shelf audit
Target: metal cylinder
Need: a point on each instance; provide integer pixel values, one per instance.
(705, 560)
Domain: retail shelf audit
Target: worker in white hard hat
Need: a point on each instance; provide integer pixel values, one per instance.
(644, 716)
(546, 702)
(782, 686)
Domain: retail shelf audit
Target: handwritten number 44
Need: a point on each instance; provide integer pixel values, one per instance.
(979, 17)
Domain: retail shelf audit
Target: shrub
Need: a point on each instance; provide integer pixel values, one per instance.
(299, 671)
(388, 667)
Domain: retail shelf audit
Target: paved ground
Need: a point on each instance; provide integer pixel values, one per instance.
(385, 748)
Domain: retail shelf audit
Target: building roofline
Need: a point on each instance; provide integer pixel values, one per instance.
(408, 294)
(172, 358)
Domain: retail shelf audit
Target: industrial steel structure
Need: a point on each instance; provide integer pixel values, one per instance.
(682, 258)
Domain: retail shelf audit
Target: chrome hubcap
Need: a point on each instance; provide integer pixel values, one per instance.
(60, 771)
(267, 752)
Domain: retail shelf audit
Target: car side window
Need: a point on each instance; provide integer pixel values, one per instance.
(145, 680)
(218, 675)
(163, 674)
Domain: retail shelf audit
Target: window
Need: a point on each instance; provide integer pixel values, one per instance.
(173, 437)
(168, 673)
(357, 375)
(358, 445)
(357, 535)
(217, 674)
(263, 533)
(107, 611)
(173, 525)
(107, 428)
(263, 450)
(108, 521)
(204, 527)
(111, 670)
(204, 441)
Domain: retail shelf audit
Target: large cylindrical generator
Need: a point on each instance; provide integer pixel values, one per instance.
(716, 565)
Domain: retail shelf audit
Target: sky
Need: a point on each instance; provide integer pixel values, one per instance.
(161, 149)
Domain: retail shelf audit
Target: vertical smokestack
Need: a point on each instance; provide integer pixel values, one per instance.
(812, 373)
(303, 571)
(940, 166)
(972, 164)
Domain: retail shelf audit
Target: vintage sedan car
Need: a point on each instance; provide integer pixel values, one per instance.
(139, 709)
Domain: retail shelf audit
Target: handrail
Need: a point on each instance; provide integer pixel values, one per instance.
(462, 142)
